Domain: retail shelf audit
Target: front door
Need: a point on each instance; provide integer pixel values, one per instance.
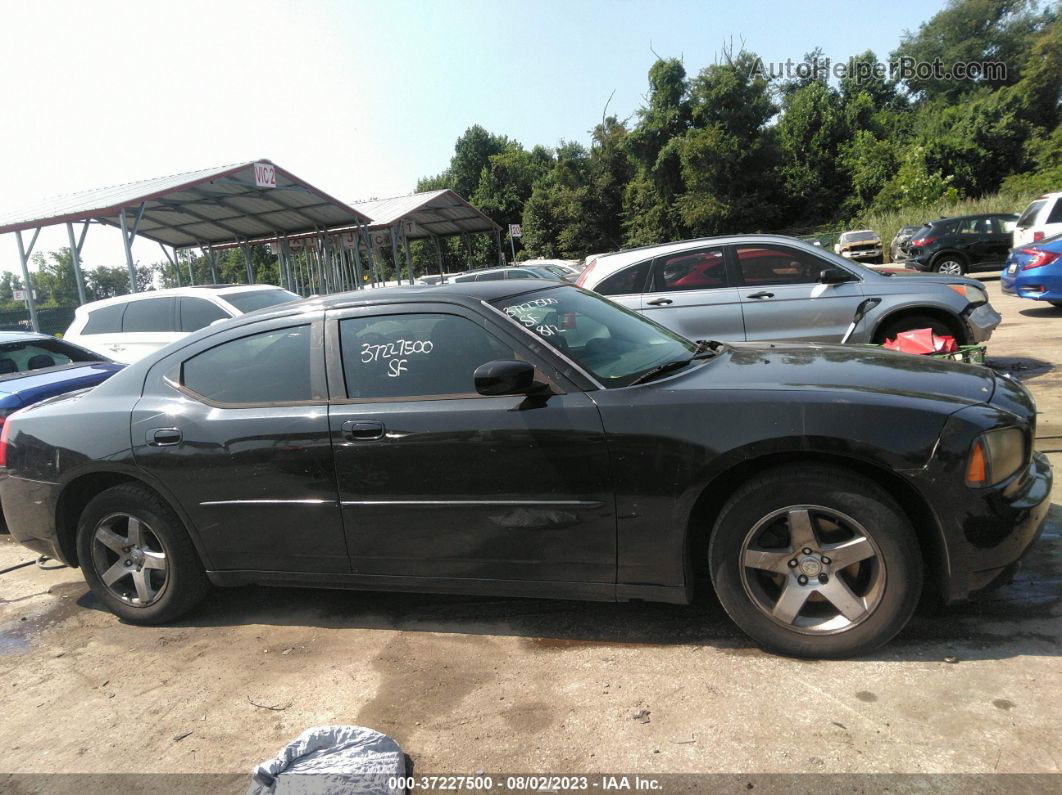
(236, 426)
(782, 299)
(689, 292)
(437, 481)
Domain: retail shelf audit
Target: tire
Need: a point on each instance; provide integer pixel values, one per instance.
(165, 577)
(886, 585)
(1056, 304)
(891, 328)
(950, 265)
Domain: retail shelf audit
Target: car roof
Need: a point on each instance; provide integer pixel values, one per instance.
(22, 336)
(220, 290)
(971, 215)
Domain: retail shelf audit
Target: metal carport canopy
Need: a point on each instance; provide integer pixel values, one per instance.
(200, 208)
(436, 213)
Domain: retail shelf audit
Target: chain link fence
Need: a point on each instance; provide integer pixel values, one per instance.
(51, 319)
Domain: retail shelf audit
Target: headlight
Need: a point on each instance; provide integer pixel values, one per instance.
(975, 295)
(995, 456)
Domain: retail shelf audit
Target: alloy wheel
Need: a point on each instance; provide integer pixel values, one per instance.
(950, 267)
(812, 569)
(129, 559)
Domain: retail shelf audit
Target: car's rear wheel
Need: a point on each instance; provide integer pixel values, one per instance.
(950, 265)
(137, 557)
(891, 328)
(815, 562)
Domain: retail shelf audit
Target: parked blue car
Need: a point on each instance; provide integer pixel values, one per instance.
(1035, 271)
(35, 366)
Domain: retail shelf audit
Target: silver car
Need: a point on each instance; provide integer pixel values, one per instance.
(769, 287)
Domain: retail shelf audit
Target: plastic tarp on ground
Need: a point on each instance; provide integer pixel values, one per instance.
(333, 759)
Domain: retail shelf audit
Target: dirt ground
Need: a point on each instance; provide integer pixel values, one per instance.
(473, 684)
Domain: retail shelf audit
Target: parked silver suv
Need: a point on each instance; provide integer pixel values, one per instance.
(769, 287)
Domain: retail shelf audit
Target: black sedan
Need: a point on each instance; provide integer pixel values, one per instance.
(533, 440)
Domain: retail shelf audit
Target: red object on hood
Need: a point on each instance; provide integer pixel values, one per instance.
(922, 341)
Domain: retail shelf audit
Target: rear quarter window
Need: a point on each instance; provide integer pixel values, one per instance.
(1055, 216)
(105, 320)
(1028, 218)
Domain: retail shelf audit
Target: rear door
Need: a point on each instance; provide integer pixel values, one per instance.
(147, 325)
(782, 298)
(691, 292)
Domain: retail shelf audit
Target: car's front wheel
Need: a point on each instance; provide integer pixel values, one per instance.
(137, 557)
(815, 561)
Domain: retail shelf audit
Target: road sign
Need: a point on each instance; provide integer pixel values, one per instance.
(265, 175)
(515, 230)
(19, 295)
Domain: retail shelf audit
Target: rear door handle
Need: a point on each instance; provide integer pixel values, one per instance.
(761, 294)
(357, 430)
(660, 302)
(165, 437)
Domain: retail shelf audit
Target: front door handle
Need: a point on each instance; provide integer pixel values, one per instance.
(357, 430)
(164, 437)
(660, 302)
(761, 294)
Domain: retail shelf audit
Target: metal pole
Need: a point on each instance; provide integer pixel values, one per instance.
(75, 256)
(438, 257)
(191, 273)
(394, 254)
(174, 261)
(23, 256)
(247, 262)
(497, 240)
(356, 251)
(409, 257)
(127, 240)
(512, 245)
(213, 266)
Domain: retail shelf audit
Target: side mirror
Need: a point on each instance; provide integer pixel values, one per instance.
(834, 276)
(504, 378)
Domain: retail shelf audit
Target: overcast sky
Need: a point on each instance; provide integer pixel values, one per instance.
(358, 98)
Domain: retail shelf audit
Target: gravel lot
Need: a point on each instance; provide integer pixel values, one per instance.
(467, 684)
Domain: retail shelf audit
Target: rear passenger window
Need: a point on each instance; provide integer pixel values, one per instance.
(1056, 213)
(105, 320)
(197, 313)
(626, 282)
(689, 270)
(491, 277)
(415, 355)
(149, 314)
(270, 367)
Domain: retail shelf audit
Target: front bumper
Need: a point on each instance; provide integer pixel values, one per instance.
(981, 320)
(872, 253)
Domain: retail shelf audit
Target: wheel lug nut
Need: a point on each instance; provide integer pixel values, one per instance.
(802, 580)
(807, 551)
(823, 578)
(129, 563)
(825, 560)
(792, 563)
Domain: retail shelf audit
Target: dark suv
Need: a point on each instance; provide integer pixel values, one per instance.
(954, 246)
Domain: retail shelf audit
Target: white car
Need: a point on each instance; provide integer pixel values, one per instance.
(129, 327)
(1042, 219)
(562, 267)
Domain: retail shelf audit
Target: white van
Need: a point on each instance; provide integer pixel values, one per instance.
(1042, 219)
(129, 327)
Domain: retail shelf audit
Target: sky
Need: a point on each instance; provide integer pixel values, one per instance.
(358, 98)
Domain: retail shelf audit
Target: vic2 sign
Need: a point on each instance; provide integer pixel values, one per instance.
(265, 175)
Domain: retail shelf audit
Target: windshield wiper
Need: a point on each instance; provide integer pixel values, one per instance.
(659, 370)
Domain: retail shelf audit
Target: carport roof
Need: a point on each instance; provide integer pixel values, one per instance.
(210, 206)
(433, 213)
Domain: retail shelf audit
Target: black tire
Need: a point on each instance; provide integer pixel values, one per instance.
(1056, 304)
(944, 262)
(177, 588)
(891, 328)
(896, 593)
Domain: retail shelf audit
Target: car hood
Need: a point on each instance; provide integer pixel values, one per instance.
(54, 381)
(840, 368)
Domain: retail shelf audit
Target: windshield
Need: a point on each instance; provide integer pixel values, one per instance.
(25, 356)
(258, 299)
(612, 343)
(854, 237)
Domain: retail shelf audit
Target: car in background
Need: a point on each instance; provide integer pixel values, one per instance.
(1040, 220)
(577, 451)
(860, 244)
(567, 269)
(897, 249)
(129, 327)
(34, 367)
(965, 244)
(769, 287)
(508, 272)
(1035, 271)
